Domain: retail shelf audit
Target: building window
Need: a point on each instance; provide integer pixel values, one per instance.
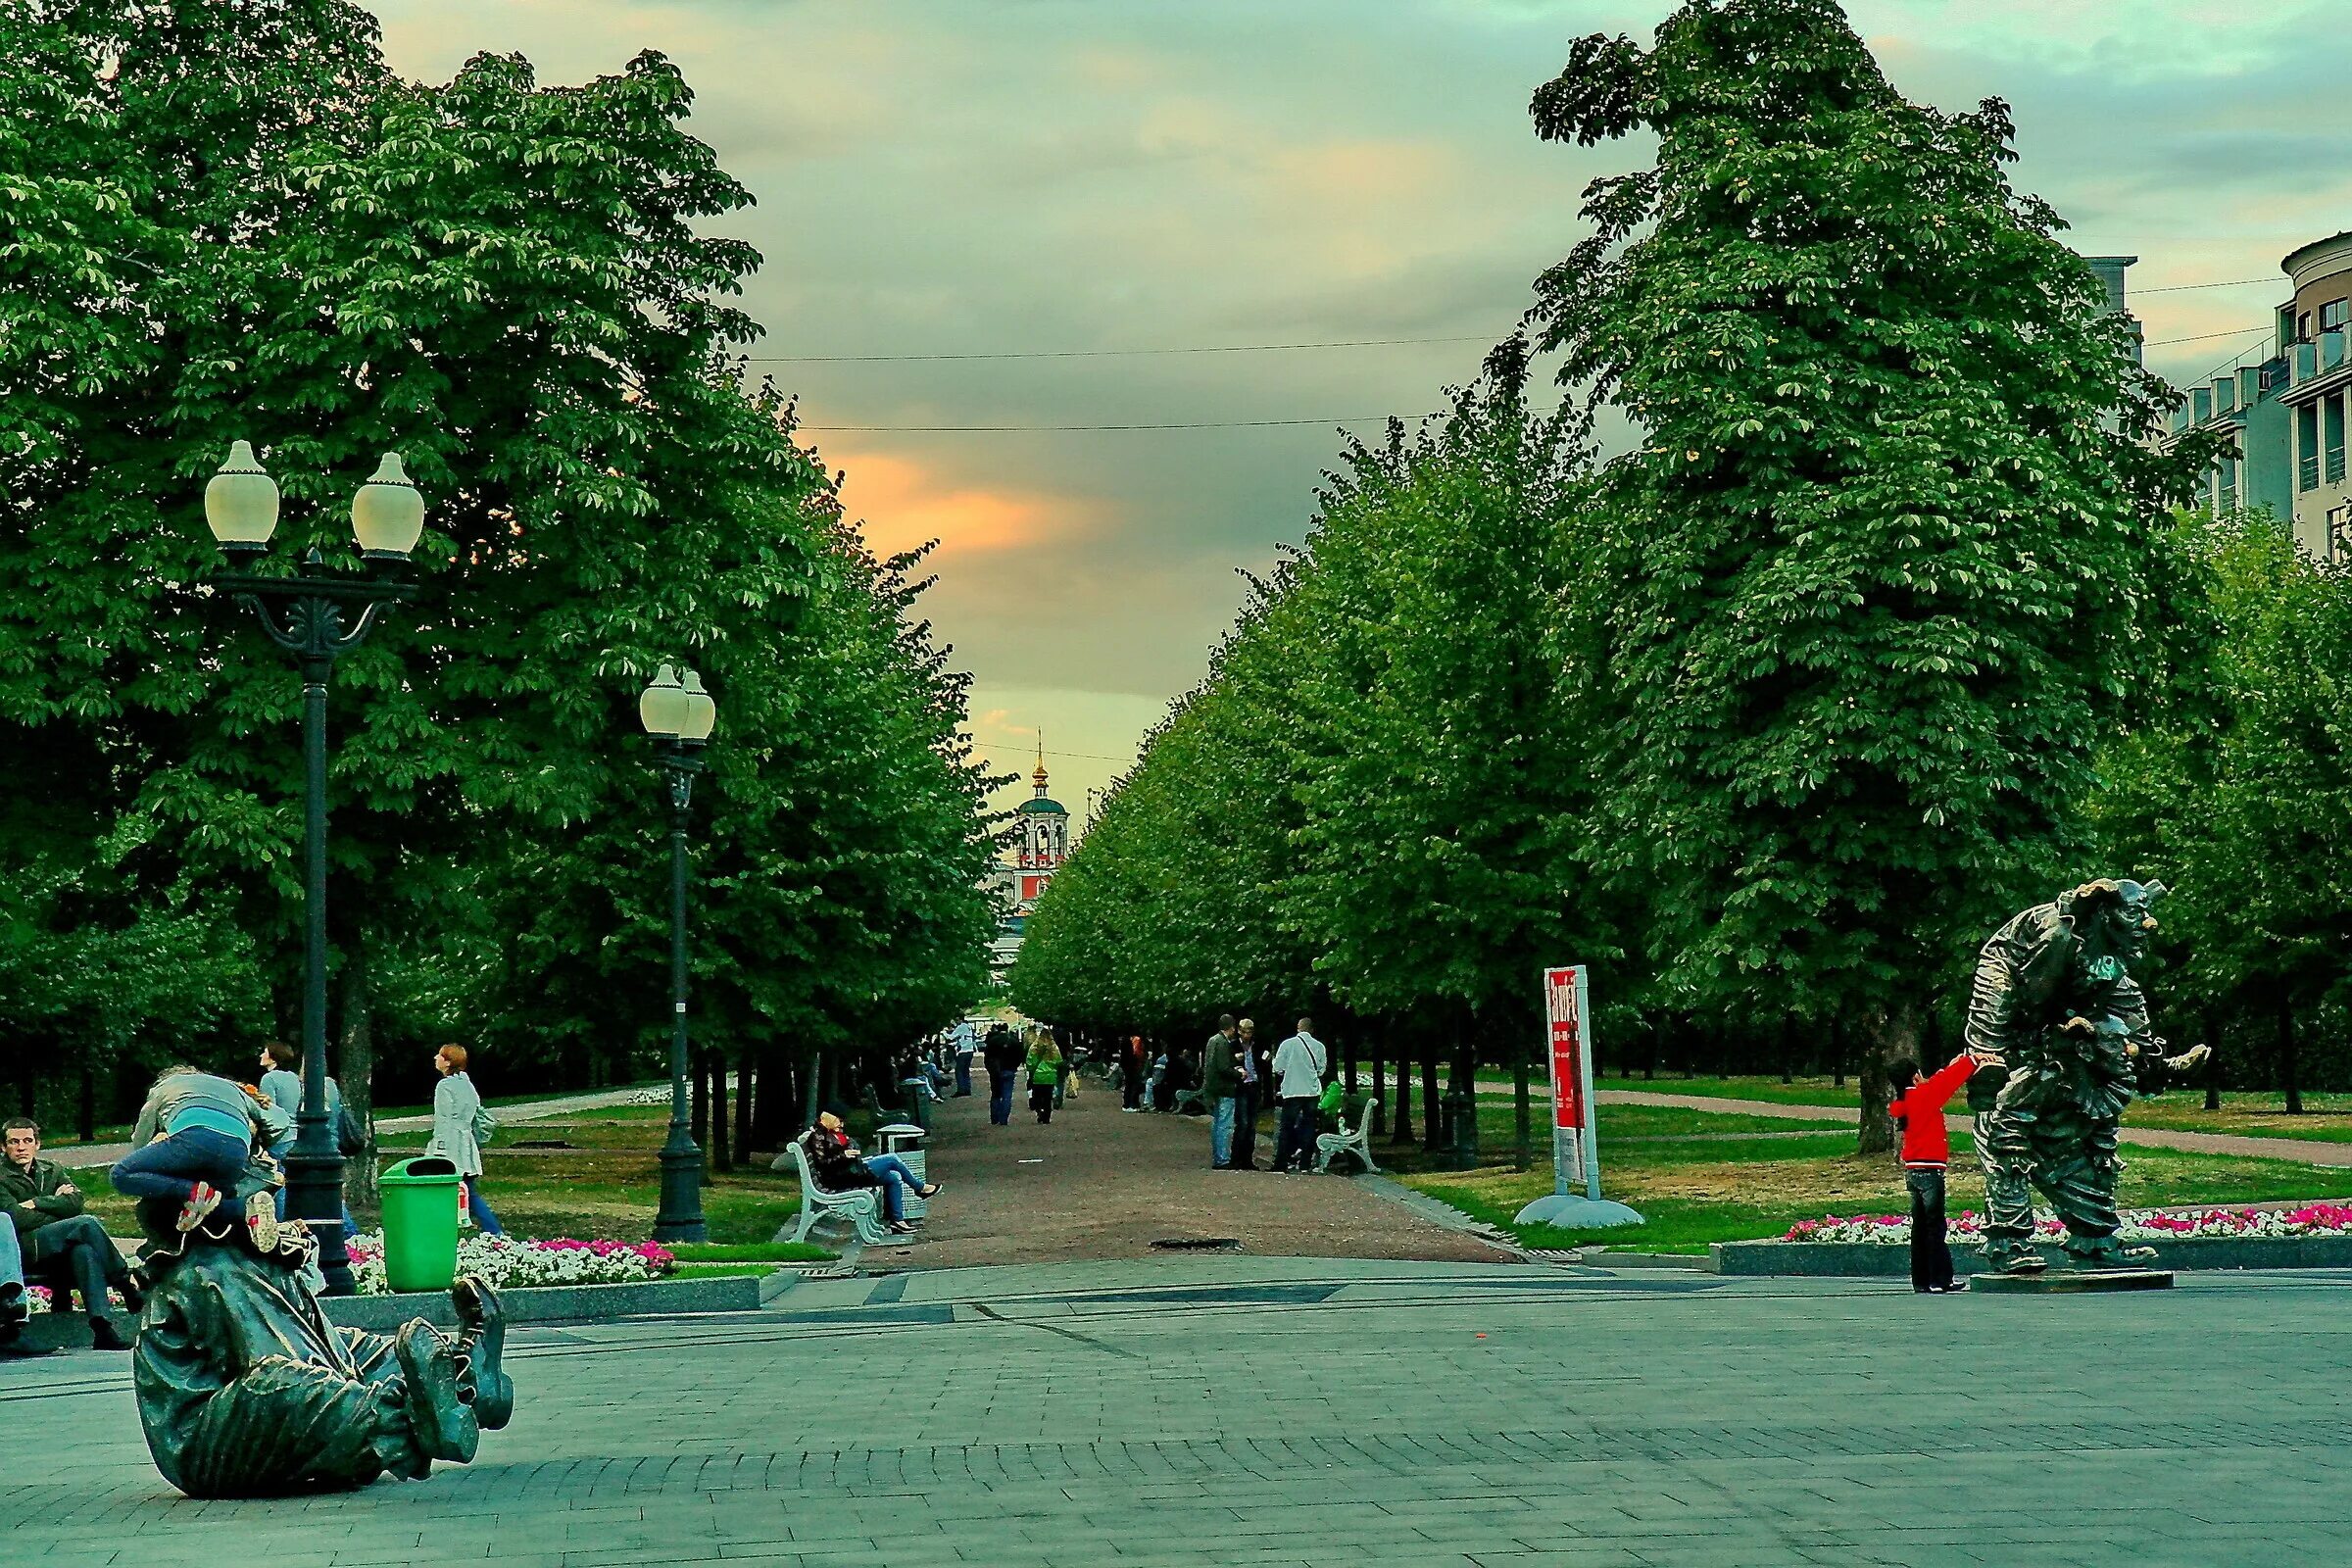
(2339, 533)
(2303, 327)
(2332, 414)
(2307, 447)
(2331, 316)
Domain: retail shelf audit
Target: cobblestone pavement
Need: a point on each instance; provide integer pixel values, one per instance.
(1100, 1183)
(1308, 1411)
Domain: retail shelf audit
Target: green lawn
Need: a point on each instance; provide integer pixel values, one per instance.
(603, 1183)
(1697, 1190)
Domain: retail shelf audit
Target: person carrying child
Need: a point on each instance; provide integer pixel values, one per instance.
(1918, 1113)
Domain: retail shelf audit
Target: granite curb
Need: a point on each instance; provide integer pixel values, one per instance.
(1886, 1261)
(536, 1305)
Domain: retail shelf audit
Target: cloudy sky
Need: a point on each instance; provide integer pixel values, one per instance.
(1076, 177)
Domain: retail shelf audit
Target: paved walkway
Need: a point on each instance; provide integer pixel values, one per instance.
(1100, 1183)
(82, 1156)
(1266, 1412)
(2308, 1151)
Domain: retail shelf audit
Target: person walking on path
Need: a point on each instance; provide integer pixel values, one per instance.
(194, 1137)
(965, 1047)
(1249, 1057)
(1299, 1066)
(1002, 1056)
(1926, 1152)
(1222, 1087)
(460, 1125)
(1045, 1075)
(57, 1239)
(1133, 1062)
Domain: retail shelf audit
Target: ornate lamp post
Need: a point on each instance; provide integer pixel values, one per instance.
(315, 617)
(678, 714)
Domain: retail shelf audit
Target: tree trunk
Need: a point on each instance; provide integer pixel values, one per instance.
(698, 1097)
(1837, 1049)
(2213, 1063)
(744, 1071)
(89, 1099)
(2287, 1058)
(1400, 1130)
(813, 1101)
(1433, 1120)
(1380, 1109)
(1787, 1048)
(722, 1148)
(1523, 1121)
(1895, 1035)
(355, 1059)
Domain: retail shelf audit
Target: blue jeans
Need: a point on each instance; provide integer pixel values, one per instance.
(173, 1167)
(1000, 1096)
(963, 1073)
(1220, 1132)
(897, 1182)
(12, 1260)
(480, 1207)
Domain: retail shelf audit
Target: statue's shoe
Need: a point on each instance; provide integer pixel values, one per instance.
(2105, 1251)
(2019, 1262)
(484, 1319)
(442, 1419)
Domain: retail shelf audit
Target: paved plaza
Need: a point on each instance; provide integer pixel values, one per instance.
(1237, 1410)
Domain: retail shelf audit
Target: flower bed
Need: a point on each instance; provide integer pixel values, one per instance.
(1894, 1229)
(505, 1262)
(37, 1299)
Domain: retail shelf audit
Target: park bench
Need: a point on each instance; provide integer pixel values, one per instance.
(1330, 1146)
(861, 1207)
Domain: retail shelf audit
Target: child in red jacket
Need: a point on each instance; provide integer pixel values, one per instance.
(1918, 1111)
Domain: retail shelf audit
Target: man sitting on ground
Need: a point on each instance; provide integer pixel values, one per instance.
(58, 1240)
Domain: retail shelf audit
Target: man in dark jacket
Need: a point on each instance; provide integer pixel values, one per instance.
(61, 1245)
(1221, 1086)
(1002, 1054)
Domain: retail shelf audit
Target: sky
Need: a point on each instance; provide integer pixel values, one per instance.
(1075, 178)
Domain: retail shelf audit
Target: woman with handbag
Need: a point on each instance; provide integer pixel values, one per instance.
(462, 1124)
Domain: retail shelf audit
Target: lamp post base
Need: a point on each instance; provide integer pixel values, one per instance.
(315, 1195)
(681, 1217)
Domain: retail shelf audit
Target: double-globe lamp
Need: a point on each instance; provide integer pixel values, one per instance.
(678, 714)
(315, 617)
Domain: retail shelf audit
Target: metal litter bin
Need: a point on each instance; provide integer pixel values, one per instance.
(906, 1140)
(919, 1101)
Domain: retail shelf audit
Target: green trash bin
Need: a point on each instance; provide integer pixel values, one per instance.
(420, 1224)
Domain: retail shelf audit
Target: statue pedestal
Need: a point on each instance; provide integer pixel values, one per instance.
(2073, 1282)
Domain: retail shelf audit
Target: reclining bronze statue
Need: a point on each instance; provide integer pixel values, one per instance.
(245, 1389)
(2060, 1033)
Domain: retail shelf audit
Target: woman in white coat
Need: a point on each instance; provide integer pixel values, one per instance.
(457, 1120)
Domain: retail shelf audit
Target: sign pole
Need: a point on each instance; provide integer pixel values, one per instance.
(1575, 1146)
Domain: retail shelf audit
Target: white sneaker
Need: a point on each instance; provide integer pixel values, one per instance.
(202, 1200)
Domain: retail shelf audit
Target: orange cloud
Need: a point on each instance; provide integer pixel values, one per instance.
(901, 502)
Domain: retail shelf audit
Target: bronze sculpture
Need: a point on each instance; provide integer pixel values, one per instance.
(2060, 1033)
(245, 1389)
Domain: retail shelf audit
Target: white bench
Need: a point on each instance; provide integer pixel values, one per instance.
(860, 1205)
(1329, 1145)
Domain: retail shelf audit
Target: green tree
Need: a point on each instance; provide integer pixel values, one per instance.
(1879, 563)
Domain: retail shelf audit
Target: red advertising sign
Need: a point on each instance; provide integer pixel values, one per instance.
(1565, 1020)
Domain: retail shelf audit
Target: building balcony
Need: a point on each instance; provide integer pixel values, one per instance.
(2315, 367)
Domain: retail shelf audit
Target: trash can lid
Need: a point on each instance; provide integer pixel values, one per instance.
(426, 1168)
(902, 1128)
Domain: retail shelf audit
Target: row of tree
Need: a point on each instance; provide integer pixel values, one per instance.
(1884, 631)
(227, 218)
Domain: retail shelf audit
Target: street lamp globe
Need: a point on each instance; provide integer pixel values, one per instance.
(662, 708)
(388, 516)
(240, 503)
(701, 711)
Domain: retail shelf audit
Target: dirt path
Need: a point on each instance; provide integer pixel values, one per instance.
(2307, 1152)
(1101, 1184)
